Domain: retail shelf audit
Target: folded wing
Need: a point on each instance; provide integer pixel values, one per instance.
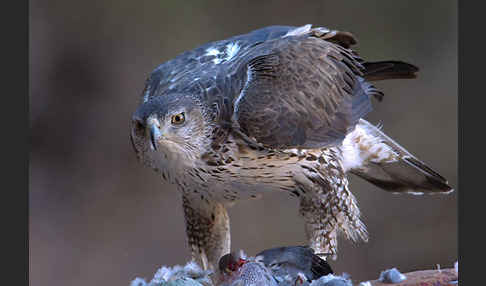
(302, 90)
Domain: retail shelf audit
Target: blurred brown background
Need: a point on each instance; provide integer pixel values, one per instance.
(97, 217)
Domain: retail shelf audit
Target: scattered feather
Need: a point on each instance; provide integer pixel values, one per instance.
(332, 280)
(391, 276)
(243, 255)
(185, 281)
(138, 282)
(190, 274)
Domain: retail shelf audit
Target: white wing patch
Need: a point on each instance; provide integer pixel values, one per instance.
(231, 51)
(227, 54)
(212, 52)
(298, 31)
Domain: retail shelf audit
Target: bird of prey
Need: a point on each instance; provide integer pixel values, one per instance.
(277, 109)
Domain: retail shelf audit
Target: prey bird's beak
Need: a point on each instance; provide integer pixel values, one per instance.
(153, 125)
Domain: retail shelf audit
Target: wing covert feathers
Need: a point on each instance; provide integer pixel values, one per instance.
(307, 89)
(302, 92)
(377, 158)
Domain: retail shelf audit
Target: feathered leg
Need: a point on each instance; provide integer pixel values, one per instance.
(207, 229)
(321, 232)
(328, 206)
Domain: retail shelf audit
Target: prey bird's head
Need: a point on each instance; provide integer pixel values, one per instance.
(231, 262)
(230, 266)
(170, 130)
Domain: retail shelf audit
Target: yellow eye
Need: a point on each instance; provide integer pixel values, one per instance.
(178, 118)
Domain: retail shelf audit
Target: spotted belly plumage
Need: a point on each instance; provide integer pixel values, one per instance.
(234, 171)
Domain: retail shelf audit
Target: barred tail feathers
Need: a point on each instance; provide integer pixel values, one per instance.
(375, 157)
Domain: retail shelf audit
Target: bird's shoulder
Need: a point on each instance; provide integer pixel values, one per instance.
(201, 66)
(214, 66)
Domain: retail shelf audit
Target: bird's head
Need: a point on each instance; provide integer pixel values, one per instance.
(170, 129)
(231, 262)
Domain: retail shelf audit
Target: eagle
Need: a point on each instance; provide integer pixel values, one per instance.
(279, 109)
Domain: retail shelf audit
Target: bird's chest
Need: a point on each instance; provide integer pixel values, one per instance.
(233, 171)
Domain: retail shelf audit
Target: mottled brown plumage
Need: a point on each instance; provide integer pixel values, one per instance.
(277, 109)
(281, 104)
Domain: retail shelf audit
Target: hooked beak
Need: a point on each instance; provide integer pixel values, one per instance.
(153, 125)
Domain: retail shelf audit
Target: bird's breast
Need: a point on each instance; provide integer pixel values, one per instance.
(235, 171)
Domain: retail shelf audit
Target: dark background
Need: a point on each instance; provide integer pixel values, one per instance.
(98, 217)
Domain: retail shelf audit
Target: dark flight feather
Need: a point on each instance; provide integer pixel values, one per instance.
(389, 70)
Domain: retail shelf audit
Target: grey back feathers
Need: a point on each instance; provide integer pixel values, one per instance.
(292, 260)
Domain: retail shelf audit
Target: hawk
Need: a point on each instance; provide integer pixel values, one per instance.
(279, 109)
